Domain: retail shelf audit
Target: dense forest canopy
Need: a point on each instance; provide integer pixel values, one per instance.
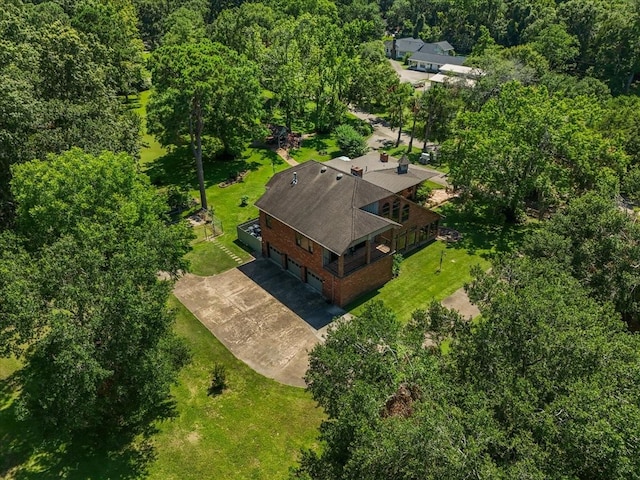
(544, 385)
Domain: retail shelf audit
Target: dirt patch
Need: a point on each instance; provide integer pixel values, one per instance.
(440, 196)
(460, 301)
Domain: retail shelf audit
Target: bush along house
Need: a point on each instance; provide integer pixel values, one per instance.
(336, 225)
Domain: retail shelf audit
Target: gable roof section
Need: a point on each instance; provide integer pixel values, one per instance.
(444, 46)
(322, 207)
(409, 44)
(383, 174)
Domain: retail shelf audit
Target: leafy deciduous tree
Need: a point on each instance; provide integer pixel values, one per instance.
(92, 324)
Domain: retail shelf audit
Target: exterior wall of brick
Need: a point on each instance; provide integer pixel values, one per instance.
(421, 226)
(338, 290)
(363, 280)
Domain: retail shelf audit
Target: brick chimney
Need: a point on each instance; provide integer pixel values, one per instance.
(356, 171)
(384, 157)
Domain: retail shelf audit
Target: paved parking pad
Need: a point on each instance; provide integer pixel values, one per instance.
(262, 314)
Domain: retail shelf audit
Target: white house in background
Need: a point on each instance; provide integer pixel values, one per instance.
(457, 74)
(430, 62)
(425, 57)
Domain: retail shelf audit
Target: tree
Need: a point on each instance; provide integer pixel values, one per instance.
(371, 75)
(112, 27)
(544, 386)
(57, 92)
(398, 102)
(525, 145)
(557, 46)
(93, 326)
(183, 26)
(350, 141)
(600, 245)
(437, 110)
(203, 89)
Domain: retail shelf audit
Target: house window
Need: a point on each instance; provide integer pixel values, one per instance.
(395, 213)
(304, 242)
(405, 213)
(267, 220)
(385, 209)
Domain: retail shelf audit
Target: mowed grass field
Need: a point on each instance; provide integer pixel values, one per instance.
(439, 269)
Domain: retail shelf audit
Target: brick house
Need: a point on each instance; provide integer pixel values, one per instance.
(337, 225)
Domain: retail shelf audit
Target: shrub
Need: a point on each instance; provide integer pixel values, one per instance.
(218, 379)
(423, 193)
(397, 260)
(363, 128)
(350, 141)
(178, 198)
(244, 200)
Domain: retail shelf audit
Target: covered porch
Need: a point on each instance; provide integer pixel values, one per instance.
(357, 257)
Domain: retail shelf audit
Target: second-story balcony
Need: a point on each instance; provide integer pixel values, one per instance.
(357, 258)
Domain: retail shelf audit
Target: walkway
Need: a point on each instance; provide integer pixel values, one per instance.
(284, 154)
(459, 300)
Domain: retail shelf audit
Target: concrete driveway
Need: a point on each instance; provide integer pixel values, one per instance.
(262, 314)
(406, 75)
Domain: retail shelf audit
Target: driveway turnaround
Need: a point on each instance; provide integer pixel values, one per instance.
(263, 315)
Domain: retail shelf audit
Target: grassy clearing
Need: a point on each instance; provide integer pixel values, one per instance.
(253, 430)
(151, 148)
(421, 280)
(177, 167)
(318, 147)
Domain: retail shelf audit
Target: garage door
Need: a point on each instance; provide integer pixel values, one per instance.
(294, 267)
(314, 281)
(275, 256)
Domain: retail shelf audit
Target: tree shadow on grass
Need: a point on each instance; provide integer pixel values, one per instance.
(26, 452)
(317, 142)
(480, 235)
(178, 168)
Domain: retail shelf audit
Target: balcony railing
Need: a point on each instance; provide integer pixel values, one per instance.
(358, 259)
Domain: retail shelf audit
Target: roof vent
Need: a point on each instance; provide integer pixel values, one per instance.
(323, 169)
(339, 176)
(294, 181)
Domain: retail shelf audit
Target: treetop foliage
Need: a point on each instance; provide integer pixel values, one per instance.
(543, 386)
(82, 302)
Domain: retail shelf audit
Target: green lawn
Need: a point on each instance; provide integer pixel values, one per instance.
(421, 280)
(253, 430)
(318, 147)
(151, 148)
(433, 185)
(177, 167)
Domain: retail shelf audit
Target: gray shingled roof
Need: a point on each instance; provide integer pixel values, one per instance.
(383, 174)
(324, 208)
(437, 59)
(409, 44)
(444, 45)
